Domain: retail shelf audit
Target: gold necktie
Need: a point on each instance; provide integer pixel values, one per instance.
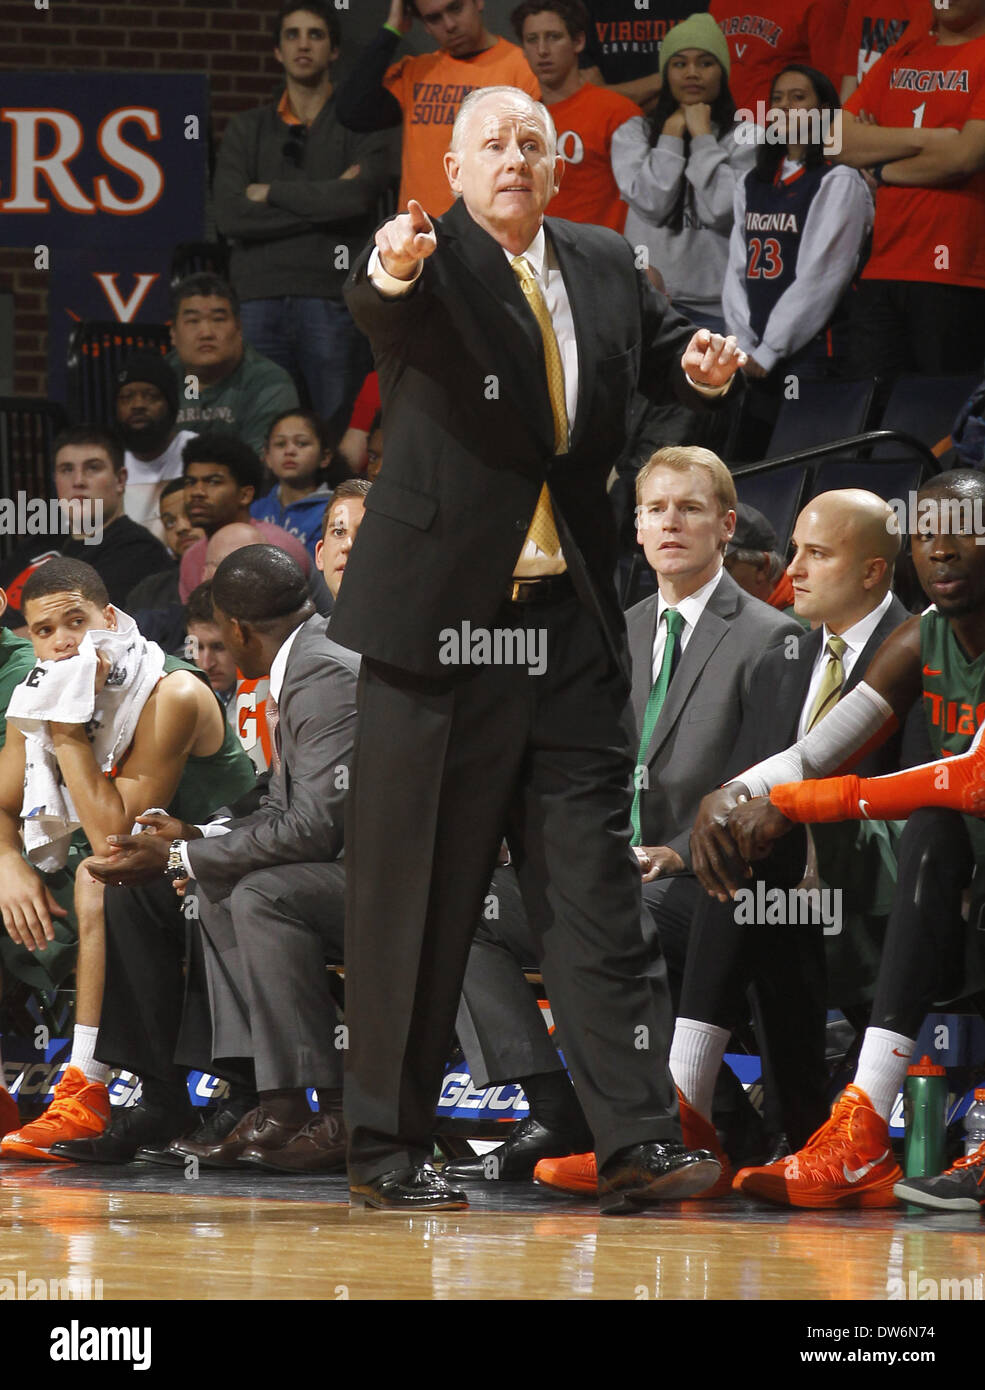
(543, 531)
(832, 680)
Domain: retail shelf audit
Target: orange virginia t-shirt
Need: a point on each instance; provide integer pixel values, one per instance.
(585, 123)
(936, 235)
(431, 87)
(764, 35)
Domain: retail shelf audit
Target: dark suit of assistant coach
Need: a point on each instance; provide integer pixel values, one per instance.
(448, 758)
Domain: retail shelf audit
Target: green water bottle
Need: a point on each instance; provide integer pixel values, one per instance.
(924, 1119)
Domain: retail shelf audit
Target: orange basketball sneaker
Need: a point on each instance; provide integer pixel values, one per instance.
(579, 1172)
(79, 1109)
(848, 1162)
(576, 1173)
(9, 1114)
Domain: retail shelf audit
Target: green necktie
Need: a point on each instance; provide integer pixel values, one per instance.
(829, 691)
(654, 704)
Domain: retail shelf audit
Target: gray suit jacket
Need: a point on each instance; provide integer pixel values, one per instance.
(300, 819)
(709, 696)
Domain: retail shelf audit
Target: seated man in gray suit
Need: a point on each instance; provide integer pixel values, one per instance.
(845, 548)
(269, 894)
(694, 646)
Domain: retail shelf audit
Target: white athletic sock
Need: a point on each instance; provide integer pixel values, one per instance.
(882, 1065)
(83, 1047)
(695, 1057)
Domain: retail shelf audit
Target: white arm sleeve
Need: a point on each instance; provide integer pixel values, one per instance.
(855, 719)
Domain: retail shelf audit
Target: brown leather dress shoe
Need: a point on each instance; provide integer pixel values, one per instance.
(255, 1127)
(317, 1147)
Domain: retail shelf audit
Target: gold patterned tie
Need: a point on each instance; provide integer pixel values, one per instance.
(832, 680)
(543, 531)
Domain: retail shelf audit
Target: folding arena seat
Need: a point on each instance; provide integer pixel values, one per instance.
(777, 495)
(925, 407)
(824, 411)
(895, 479)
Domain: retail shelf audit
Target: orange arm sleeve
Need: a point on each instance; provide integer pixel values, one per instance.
(956, 783)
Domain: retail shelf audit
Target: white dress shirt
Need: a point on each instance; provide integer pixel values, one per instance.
(690, 609)
(278, 668)
(855, 639)
(279, 664)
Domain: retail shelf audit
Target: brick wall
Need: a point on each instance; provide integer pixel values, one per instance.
(228, 39)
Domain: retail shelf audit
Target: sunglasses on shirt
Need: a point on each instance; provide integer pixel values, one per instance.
(294, 145)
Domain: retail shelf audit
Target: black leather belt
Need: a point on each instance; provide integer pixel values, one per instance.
(544, 590)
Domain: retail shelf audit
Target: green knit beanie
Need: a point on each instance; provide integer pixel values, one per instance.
(697, 31)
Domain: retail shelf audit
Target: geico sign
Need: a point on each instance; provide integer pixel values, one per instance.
(27, 164)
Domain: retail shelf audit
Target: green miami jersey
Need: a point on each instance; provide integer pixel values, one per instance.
(213, 781)
(953, 698)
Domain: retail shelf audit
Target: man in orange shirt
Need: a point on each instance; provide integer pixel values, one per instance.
(553, 33)
(919, 119)
(871, 28)
(423, 92)
(765, 35)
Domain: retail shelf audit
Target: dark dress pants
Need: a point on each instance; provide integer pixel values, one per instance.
(266, 948)
(442, 768)
(786, 966)
(155, 1016)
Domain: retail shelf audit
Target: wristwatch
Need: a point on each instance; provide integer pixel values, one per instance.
(175, 868)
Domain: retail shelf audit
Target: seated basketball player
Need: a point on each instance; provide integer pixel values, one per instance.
(87, 751)
(939, 658)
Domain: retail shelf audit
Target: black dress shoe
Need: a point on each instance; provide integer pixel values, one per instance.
(516, 1160)
(779, 1148)
(408, 1189)
(215, 1122)
(644, 1174)
(129, 1128)
(317, 1147)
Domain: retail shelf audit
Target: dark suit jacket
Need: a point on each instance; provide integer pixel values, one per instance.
(300, 819)
(780, 688)
(707, 702)
(857, 857)
(470, 436)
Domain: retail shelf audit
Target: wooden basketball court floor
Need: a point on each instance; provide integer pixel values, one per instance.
(146, 1232)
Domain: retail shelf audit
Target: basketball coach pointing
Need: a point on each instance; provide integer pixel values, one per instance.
(508, 350)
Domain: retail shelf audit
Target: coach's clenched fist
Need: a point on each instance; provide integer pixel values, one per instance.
(406, 241)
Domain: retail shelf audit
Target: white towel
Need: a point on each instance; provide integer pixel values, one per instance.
(64, 692)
